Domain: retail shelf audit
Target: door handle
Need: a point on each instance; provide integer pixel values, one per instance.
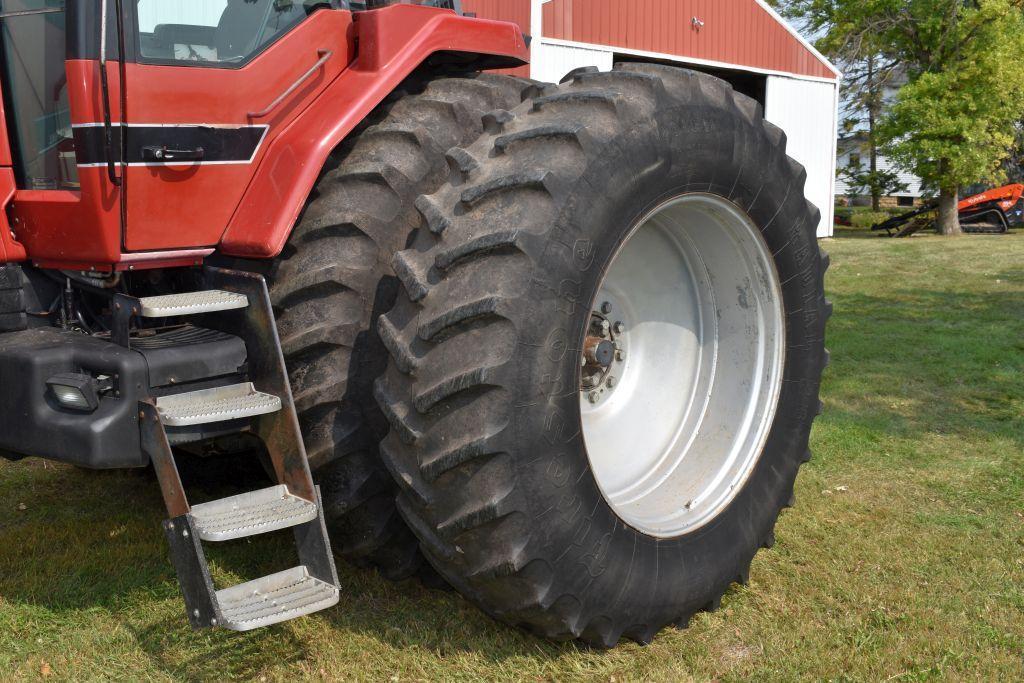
(161, 153)
(325, 55)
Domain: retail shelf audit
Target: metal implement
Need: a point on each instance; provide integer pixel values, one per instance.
(190, 303)
(274, 598)
(294, 502)
(251, 513)
(215, 405)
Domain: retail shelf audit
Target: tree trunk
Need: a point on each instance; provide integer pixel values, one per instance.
(874, 104)
(949, 216)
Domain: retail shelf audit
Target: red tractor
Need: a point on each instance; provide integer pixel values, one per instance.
(562, 343)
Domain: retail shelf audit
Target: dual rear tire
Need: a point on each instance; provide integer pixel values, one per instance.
(655, 209)
(603, 347)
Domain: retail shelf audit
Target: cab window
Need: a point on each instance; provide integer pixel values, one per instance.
(36, 94)
(217, 32)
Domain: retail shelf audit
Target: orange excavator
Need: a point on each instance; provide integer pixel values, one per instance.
(994, 211)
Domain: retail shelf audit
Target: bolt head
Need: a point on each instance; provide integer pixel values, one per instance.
(620, 354)
(611, 382)
(619, 327)
(606, 307)
(593, 396)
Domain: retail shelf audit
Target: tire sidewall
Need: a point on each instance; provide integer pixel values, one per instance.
(736, 159)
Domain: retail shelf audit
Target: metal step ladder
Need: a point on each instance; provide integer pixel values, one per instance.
(237, 303)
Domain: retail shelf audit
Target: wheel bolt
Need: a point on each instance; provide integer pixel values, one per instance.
(606, 307)
(611, 382)
(620, 327)
(593, 396)
(620, 354)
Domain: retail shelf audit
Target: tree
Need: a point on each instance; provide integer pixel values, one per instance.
(953, 123)
(1013, 165)
(869, 73)
(875, 182)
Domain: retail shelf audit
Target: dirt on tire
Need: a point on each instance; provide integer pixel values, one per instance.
(482, 391)
(335, 277)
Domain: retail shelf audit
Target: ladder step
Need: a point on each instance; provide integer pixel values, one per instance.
(191, 303)
(248, 514)
(274, 598)
(219, 404)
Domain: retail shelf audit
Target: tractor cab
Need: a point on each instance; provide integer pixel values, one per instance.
(148, 133)
(136, 126)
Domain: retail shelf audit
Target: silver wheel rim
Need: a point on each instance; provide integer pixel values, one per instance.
(683, 364)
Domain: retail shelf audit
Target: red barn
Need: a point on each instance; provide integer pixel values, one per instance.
(743, 41)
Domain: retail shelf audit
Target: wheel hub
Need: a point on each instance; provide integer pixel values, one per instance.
(604, 354)
(690, 314)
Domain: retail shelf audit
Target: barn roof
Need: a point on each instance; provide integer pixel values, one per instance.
(728, 33)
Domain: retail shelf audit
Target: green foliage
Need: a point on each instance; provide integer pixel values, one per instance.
(877, 183)
(865, 219)
(954, 122)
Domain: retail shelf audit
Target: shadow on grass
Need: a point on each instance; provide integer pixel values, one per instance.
(90, 543)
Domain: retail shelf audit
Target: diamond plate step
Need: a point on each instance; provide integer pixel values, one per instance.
(191, 303)
(273, 599)
(248, 514)
(219, 404)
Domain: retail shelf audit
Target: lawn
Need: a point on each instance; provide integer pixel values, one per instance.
(902, 560)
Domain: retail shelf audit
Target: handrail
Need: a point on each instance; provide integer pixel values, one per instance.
(108, 137)
(29, 12)
(325, 55)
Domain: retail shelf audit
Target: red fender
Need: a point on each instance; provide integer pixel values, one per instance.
(392, 43)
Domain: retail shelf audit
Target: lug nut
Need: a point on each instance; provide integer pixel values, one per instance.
(611, 382)
(620, 354)
(593, 396)
(620, 327)
(606, 307)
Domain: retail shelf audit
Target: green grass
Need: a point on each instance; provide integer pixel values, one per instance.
(903, 559)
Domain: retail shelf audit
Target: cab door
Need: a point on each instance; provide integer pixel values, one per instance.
(210, 84)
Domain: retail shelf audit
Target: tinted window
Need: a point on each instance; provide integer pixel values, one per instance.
(217, 32)
(35, 87)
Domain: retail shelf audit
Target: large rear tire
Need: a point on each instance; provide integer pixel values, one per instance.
(611, 188)
(335, 277)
